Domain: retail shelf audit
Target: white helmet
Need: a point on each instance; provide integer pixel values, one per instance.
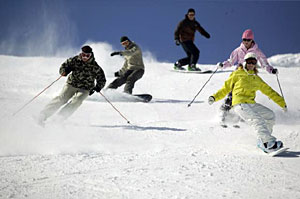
(250, 55)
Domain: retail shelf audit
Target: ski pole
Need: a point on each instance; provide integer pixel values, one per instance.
(279, 86)
(35, 97)
(115, 108)
(202, 88)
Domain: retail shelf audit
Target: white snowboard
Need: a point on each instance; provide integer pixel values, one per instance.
(279, 151)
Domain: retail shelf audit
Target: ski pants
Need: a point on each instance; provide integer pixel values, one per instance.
(259, 117)
(192, 53)
(129, 79)
(68, 92)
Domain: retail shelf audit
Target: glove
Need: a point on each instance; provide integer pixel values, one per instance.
(284, 109)
(96, 88)
(274, 71)
(220, 65)
(115, 53)
(211, 100)
(117, 74)
(177, 42)
(207, 35)
(67, 71)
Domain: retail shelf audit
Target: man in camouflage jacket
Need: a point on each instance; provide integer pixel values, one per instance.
(83, 70)
(133, 68)
(185, 35)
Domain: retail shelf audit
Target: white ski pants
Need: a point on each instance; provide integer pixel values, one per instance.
(259, 117)
(68, 92)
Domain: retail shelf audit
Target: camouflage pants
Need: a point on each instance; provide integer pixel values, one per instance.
(129, 79)
(68, 92)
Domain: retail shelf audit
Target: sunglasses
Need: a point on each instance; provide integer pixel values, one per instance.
(251, 61)
(247, 40)
(87, 55)
(124, 42)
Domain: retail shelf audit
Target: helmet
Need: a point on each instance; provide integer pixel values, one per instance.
(250, 56)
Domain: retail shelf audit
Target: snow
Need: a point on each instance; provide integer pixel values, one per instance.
(168, 151)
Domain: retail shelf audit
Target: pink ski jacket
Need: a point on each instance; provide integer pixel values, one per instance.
(237, 57)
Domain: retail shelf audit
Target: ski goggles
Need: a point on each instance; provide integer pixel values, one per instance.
(247, 40)
(251, 61)
(87, 55)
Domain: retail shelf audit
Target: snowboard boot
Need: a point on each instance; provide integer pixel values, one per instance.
(192, 67)
(271, 146)
(177, 66)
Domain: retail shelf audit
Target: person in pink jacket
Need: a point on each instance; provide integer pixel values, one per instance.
(237, 57)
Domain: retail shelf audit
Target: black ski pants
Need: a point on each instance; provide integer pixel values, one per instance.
(129, 79)
(192, 53)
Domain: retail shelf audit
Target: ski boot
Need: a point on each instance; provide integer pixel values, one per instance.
(177, 66)
(271, 146)
(192, 67)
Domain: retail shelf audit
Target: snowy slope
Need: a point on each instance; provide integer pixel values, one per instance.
(169, 151)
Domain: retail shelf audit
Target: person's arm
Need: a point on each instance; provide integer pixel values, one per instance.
(202, 30)
(232, 59)
(67, 66)
(273, 95)
(227, 87)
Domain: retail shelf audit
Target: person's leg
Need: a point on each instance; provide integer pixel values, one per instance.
(225, 107)
(186, 60)
(117, 83)
(73, 105)
(67, 92)
(132, 78)
(256, 115)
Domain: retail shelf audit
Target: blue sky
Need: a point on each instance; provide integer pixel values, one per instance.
(46, 27)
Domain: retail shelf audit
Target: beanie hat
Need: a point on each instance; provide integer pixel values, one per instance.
(87, 49)
(124, 38)
(248, 34)
(250, 56)
(191, 10)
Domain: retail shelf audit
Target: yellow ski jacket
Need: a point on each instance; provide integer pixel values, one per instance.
(244, 86)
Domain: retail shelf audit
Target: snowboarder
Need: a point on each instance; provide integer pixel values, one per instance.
(83, 70)
(244, 82)
(133, 68)
(184, 36)
(237, 57)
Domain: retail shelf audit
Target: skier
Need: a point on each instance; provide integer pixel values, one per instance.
(133, 68)
(237, 57)
(184, 35)
(244, 82)
(83, 70)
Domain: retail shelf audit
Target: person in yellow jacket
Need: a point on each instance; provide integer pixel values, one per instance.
(244, 83)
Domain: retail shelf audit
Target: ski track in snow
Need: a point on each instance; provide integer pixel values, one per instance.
(169, 151)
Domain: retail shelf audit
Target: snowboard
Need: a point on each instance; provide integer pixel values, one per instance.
(142, 97)
(193, 72)
(278, 152)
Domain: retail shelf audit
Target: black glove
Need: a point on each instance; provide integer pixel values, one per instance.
(117, 74)
(96, 88)
(207, 35)
(177, 42)
(274, 71)
(220, 65)
(115, 53)
(67, 71)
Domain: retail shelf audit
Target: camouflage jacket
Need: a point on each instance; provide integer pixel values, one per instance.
(83, 74)
(133, 58)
